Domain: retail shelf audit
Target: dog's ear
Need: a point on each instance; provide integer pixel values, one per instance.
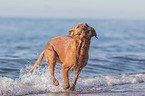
(71, 32)
(94, 33)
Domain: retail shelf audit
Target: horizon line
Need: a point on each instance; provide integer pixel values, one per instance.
(97, 18)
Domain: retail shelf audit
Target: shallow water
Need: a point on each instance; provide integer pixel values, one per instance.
(116, 60)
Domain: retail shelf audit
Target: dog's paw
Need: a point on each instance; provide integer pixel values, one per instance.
(55, 82)
(65, 87)
(72, 88)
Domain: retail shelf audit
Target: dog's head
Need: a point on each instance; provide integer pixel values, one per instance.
(82, 30)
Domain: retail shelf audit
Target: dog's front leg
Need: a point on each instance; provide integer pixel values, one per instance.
(74, 81)
(65, 76)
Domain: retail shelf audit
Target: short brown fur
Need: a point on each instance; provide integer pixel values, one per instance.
(72, 53)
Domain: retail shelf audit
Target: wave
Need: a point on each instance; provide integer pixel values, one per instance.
(40, 82)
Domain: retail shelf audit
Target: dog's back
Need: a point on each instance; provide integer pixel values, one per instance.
(62, 45)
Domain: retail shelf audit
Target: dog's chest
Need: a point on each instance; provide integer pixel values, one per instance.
(81, 52)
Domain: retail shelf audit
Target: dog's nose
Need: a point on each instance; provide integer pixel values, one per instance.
(84, 26)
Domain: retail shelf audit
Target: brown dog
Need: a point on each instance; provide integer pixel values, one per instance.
(72, 53)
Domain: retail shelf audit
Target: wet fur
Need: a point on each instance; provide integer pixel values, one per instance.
(71, 53)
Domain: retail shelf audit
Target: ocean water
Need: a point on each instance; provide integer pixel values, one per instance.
(116, 63)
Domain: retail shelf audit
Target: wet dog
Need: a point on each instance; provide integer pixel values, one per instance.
(70, 51)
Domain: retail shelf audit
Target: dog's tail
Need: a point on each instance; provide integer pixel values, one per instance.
(37, 62)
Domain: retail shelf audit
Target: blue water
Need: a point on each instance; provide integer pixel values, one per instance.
(116, 59)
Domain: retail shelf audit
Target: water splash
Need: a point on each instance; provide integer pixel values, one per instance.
(40, 82)
(26, 84)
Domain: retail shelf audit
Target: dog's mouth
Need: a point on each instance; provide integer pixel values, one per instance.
(86, 32)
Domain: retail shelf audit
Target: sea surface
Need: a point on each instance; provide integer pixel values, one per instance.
(116, 63)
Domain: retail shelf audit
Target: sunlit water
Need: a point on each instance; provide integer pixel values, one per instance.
(116, 60)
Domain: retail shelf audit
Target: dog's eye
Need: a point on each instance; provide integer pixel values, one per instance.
(78, 27)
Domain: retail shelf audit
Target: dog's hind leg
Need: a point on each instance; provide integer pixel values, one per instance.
(51, 60)
(65, 76)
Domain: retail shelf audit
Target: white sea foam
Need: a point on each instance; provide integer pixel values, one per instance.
(93, 83)
(40, 82)
(26, 84)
